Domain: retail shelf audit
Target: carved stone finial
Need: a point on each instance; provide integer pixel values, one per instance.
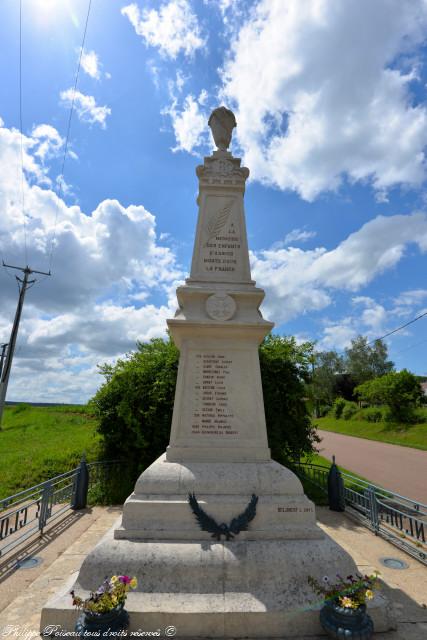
(222, 123)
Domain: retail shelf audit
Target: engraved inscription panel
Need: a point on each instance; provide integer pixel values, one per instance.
(222, 398)
(213, 412)
(221, 247)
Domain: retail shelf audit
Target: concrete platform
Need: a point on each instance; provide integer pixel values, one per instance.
(256, 583)
(31, 588)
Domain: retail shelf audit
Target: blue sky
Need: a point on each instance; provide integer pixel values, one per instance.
(330, 101)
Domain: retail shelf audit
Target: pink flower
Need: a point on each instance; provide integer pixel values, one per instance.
(125, 579)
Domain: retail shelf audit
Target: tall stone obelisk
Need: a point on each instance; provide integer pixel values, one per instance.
(219, 409)
(252, 584)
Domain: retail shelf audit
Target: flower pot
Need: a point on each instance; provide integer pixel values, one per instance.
(98, 624)
(342, 622)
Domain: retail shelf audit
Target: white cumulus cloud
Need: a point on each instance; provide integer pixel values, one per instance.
(172, 29)
(320, 96)
(86, 108)
(411, 298)
(298, 281)
(189, 122)
(91, 64)
(108, 264)
(338, 335)
(373, 315)
(49, 141)
(299, 235)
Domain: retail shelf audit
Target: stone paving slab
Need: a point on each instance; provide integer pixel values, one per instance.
(24, 592)
(58, 538)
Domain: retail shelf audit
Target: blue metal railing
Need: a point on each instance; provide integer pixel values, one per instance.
(399, 519)
(28, 512)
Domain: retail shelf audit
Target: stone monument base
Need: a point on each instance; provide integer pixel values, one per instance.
(252, 586)
(249, 589)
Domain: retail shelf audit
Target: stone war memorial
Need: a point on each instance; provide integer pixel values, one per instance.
(221, 538)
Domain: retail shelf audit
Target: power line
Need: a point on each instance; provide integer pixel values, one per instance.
(399, 328)
(21, 145)
(20, 128)
(67, 138)
(411, 346)
(7, 349)
(61, 176)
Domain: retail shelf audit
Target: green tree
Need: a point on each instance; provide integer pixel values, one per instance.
(285, 371)
(364, 362)
(134, 404)
(327, 365)
(400, 391)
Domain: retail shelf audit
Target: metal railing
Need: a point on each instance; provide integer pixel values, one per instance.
(400, 520)
(28, 512)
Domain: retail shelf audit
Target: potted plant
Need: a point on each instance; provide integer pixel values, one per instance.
(343, 614)
(104, 609)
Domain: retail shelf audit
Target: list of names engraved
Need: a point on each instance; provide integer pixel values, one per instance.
(212, 414)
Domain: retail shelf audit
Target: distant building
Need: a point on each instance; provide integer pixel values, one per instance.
(424, 387)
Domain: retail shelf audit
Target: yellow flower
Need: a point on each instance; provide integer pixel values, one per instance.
(133, 583)
(114, 600)
(347, 602)
(369, 594)
(114, 579)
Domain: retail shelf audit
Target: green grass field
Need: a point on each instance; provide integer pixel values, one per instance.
(408, 436)
(37, 443)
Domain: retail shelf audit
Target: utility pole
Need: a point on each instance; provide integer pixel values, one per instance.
(2, 356)
(6, 360)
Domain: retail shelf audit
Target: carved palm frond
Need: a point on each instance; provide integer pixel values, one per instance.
(217, 221)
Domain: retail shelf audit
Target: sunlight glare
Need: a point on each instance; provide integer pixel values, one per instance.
(48, 12)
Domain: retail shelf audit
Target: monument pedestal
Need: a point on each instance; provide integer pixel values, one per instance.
(252, 583)
(254, 586)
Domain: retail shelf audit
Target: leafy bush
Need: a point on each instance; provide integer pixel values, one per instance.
(408, 416)
(371, 414)
(400, 391)
(113, 486)
(134, 405)
(338, 407)
(421, 416)
(349, 410)
(324, 409)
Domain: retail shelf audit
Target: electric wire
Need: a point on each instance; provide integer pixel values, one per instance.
(411, 346)
(21, 177)
(67, 138)
(21, 134)
(399, 328)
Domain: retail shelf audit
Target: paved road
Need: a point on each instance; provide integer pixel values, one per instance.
(401, 469)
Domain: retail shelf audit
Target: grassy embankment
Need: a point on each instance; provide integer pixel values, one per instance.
(406, 435)
(37, 443)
